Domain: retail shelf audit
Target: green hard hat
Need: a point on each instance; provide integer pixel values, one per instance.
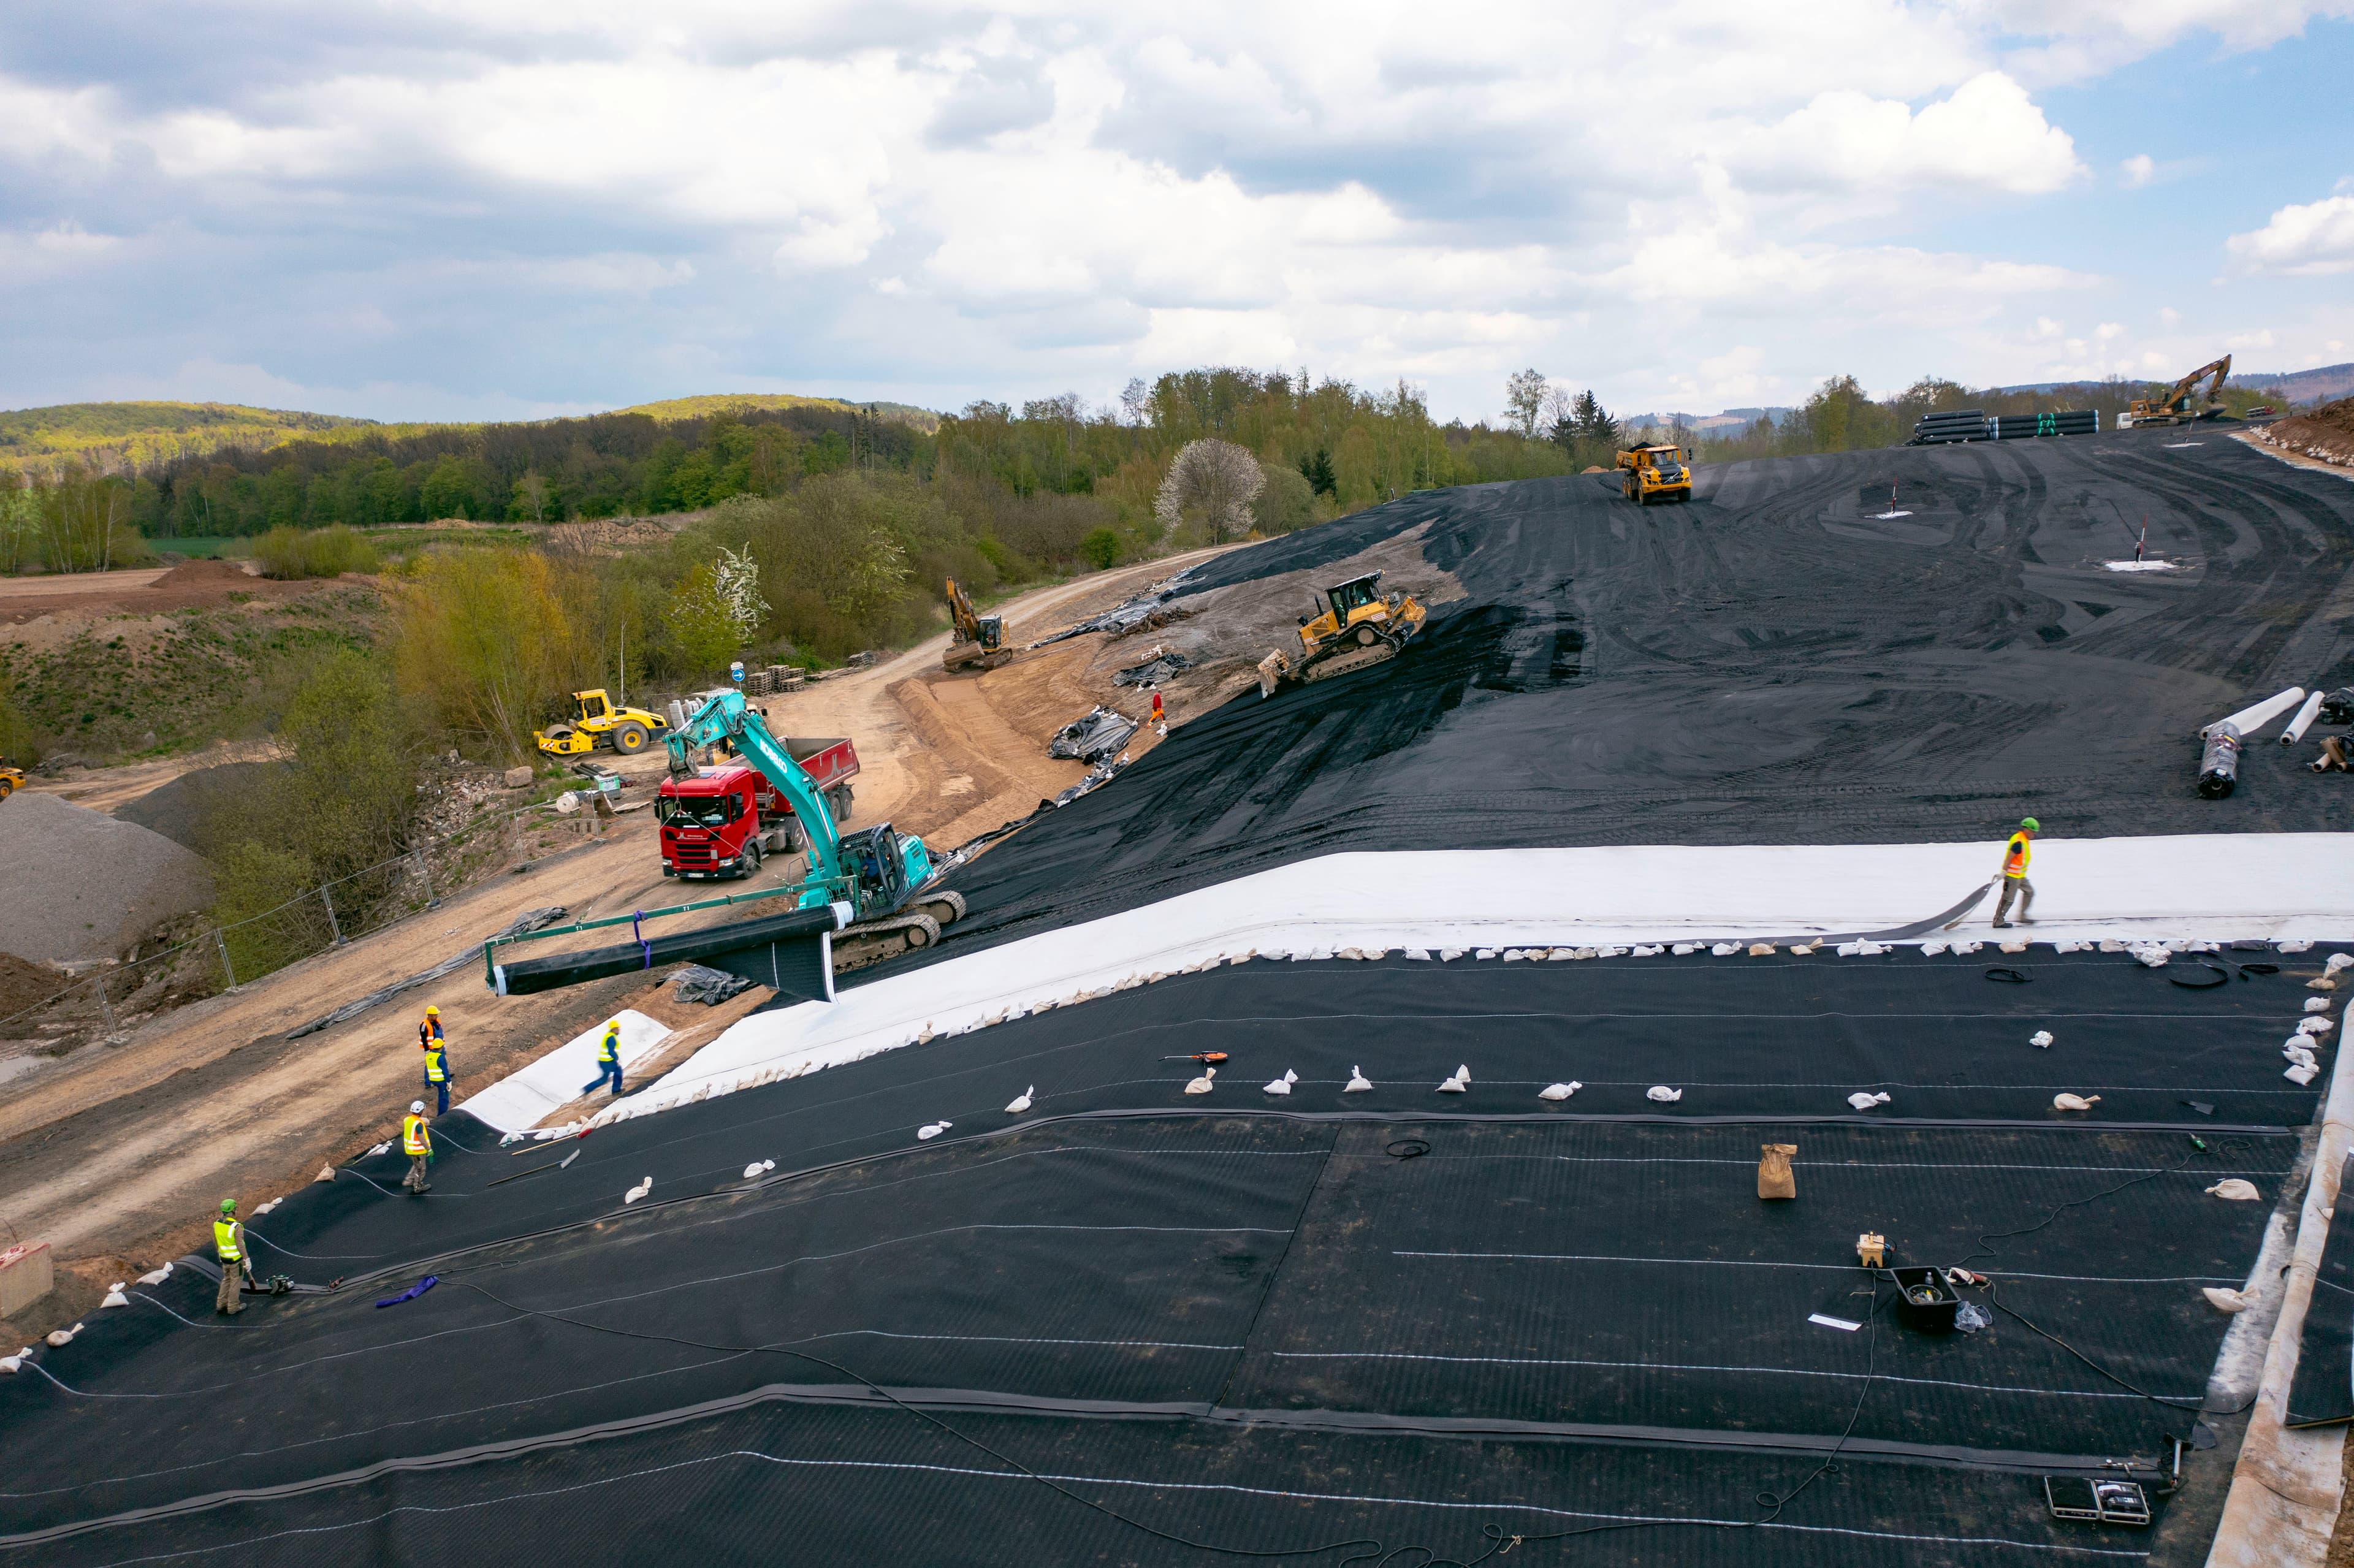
(229, 1206)
(2030, 824)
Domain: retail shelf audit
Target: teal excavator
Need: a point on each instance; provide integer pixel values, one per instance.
(879, 874)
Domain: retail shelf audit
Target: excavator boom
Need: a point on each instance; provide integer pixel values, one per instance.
(2173, 406)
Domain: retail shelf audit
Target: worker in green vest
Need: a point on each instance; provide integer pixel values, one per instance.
(416, 1142)
(2015, 884)
(609, 1060)
(229, 1245)
(438, 1073)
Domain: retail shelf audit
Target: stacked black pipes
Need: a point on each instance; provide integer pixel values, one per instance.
(2025, 426)
(1955, 425)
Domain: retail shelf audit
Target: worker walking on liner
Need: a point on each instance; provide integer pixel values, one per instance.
(2015, 884)
(438, 1073)
(229, 1245)
(416, 1142)
(609, 1060)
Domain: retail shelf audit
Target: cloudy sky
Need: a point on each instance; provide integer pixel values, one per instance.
(495, 208)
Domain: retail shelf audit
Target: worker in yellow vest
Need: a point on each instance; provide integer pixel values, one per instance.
(2015, 884)
(229, 1245)
(438, 1074)
(416, 1142)
(609, 1060)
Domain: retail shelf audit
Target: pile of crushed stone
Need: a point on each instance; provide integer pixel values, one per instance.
(79, 885)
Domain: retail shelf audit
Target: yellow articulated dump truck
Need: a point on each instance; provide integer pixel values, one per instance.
(1355, 624)
(1654, 474)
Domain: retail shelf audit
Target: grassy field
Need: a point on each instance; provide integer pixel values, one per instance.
(228, 547)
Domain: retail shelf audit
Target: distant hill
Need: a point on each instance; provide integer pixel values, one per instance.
(704, 406)
(115, 433)
(2317, 386)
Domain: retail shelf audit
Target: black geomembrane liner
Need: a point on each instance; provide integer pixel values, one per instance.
(2323, 1390)
(794, 1483)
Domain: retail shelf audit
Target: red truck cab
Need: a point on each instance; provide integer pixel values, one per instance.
(724, 820)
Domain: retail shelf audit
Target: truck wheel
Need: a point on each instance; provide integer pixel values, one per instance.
(630, 738)
(751, 859)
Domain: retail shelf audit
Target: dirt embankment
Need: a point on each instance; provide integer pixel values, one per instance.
(2325, 434)
(194, 585)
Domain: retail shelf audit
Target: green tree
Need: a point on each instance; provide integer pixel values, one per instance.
(1524, 401)
(485, 646)
(1101, 549)
(701, 623)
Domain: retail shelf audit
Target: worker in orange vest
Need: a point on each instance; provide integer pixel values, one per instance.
(416, 1142)
(428, 1029)
(2015, 884)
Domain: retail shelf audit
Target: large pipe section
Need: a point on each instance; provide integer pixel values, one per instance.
(2296, 726)
(2219, 765)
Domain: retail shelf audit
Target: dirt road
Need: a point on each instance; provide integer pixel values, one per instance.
(117, 1153)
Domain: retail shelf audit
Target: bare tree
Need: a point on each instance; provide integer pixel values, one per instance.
(1219, 479)
(1524, 399)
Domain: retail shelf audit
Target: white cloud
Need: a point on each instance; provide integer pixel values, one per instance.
(2314, 239)
(2085, 37)
(2139, 170)
(1988, 132)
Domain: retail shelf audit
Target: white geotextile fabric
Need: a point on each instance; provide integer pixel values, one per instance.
(2212, 887)
(523, 1099)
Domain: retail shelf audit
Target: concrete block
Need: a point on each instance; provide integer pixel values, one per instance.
(28, 1273)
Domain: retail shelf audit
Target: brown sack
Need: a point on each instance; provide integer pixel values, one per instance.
(1773, 1177)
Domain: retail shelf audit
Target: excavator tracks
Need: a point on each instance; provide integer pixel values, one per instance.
(872, 942)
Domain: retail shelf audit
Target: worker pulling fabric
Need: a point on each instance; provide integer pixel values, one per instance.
(2015, 884)
(229, 1245)
(609, 1060)
(416, 1142)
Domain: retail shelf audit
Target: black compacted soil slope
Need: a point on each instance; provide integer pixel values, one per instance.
(1770, 663)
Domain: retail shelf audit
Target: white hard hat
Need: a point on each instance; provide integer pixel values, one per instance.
(415, 1106)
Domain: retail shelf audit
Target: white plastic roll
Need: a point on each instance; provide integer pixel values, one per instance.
(2257, 714)
(2296, 730)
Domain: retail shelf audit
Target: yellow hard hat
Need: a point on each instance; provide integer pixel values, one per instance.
(432, 1013)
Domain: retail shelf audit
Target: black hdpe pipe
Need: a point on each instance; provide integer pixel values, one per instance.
(2219, 765)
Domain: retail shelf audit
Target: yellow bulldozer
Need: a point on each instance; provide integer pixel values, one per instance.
(2173, 407)
(597, 722)
(979, 642)
(1355, 624)
(11, 778)
(1654, 474)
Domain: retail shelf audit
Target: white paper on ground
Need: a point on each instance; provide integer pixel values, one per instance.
(1833, 1323)
(2215, 886)
(523, 1098)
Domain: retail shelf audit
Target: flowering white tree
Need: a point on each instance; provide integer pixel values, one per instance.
(1216, 478)
(737, 576)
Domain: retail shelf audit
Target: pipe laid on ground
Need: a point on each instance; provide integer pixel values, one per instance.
(2254, 717)
(2296, 726)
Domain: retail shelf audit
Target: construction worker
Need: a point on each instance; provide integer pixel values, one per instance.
(438, 1074)
(416, 1142)
(229, 1245)
(428, 1029)
(609, 1060)
(2015, 884)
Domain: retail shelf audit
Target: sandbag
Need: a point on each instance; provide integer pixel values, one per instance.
(1774, 1179)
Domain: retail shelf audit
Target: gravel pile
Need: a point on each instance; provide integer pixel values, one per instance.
(79, 885)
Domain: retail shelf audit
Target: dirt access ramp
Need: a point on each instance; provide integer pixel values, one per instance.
(2324, 436)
